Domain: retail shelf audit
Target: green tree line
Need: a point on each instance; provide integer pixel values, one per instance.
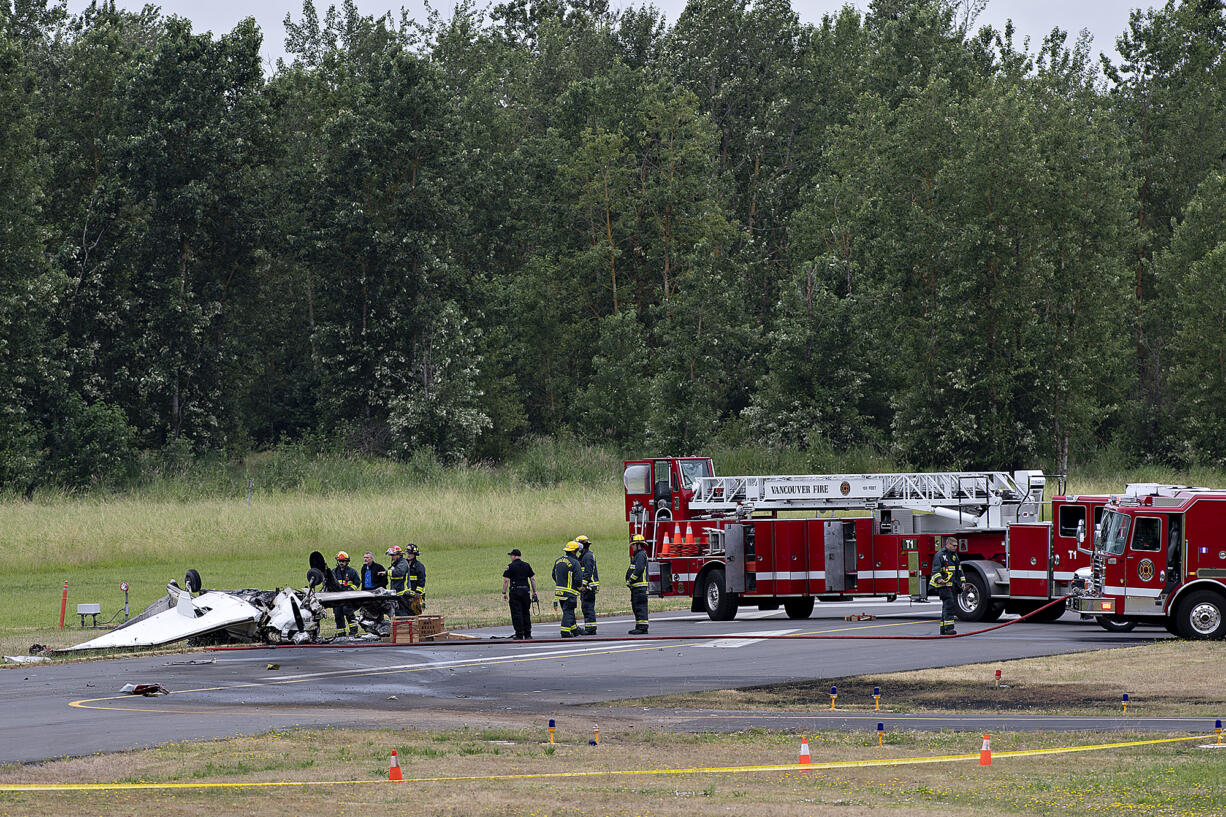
(890, 229)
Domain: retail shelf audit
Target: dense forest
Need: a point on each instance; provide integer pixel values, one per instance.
(892, 229)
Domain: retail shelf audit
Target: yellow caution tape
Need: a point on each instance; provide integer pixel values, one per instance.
(786, 767)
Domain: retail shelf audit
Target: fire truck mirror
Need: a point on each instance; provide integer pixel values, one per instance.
(1081, 538)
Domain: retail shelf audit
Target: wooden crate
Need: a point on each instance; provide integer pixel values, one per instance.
(412, 629)
(428, 627)
(404, 631)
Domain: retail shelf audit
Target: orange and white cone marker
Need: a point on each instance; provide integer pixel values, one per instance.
(393, 771)
(985, 751)
(804, 753)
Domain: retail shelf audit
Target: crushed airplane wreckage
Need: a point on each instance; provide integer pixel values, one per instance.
(284, 616)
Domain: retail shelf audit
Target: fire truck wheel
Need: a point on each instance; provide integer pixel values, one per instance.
(798, 608)
(975, 600)
(721, 605)
(1114, 624)
(1200, 616)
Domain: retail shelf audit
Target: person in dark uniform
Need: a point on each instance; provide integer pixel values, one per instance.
(346, 579)
(590, 584)
(372, 574)
(636, 580)
(947, 581)
(417, 580)
(398, 579)
(520, 580)
(566, 579)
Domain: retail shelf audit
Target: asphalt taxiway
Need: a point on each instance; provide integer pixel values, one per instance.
(55, 710)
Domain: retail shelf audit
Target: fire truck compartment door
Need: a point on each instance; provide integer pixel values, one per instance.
(734, 558)
(840, 564)
(1029, 560)
(1145, 566)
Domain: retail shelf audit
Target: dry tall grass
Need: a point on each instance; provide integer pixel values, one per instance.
(464, 536)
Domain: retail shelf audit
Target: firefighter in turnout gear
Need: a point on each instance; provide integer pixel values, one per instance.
(417, 580)
(590, 584)
(636, 580)
(346, 579)
(398, 579)
(947, 581)
(567, 577)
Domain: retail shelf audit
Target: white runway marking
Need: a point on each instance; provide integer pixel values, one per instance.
(727, 643)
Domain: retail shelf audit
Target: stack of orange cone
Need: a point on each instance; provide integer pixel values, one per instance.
(804, 752)
(393, 771)
(985, 752)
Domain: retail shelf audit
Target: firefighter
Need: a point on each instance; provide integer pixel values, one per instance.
(590, 584)
(520, 580)
(417, 580)
(567, 574)
(947, 581)
(346, 579)
(636, 580)
(398, 579)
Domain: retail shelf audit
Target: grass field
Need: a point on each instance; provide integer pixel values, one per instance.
(1165, 779)
(464, 536)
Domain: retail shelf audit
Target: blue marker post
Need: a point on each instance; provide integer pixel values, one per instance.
(1217, 727)
(1125, 702)
(834, 693)
(876, 699)
(552, 725)
(880, 732)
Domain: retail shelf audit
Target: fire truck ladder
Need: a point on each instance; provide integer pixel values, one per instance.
(973, 497)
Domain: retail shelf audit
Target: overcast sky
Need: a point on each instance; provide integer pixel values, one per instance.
(1105, 19)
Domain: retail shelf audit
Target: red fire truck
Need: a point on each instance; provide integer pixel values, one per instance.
(1161, 558)
(791, 540)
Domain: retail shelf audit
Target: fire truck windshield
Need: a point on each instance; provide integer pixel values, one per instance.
(692, 470)
(1115, 532)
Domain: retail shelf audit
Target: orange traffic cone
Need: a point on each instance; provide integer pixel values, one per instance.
(393, 771)
(689, 534)
(804, 752)
(666, 548)
(985, 752)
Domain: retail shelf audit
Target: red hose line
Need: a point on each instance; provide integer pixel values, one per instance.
(494, 642)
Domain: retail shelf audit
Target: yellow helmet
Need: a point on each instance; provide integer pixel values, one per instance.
(571, 546)
(342, 556)
(638, 537)
(583, 540)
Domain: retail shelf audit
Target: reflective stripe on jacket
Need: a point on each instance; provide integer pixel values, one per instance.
(398, 575)
(591, 578)
(566, 571)
(417, 576)
(946, 571)
(636, 574)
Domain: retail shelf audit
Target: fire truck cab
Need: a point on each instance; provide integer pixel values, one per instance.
(1161, 558)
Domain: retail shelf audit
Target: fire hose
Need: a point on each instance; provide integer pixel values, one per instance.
(699, 637)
